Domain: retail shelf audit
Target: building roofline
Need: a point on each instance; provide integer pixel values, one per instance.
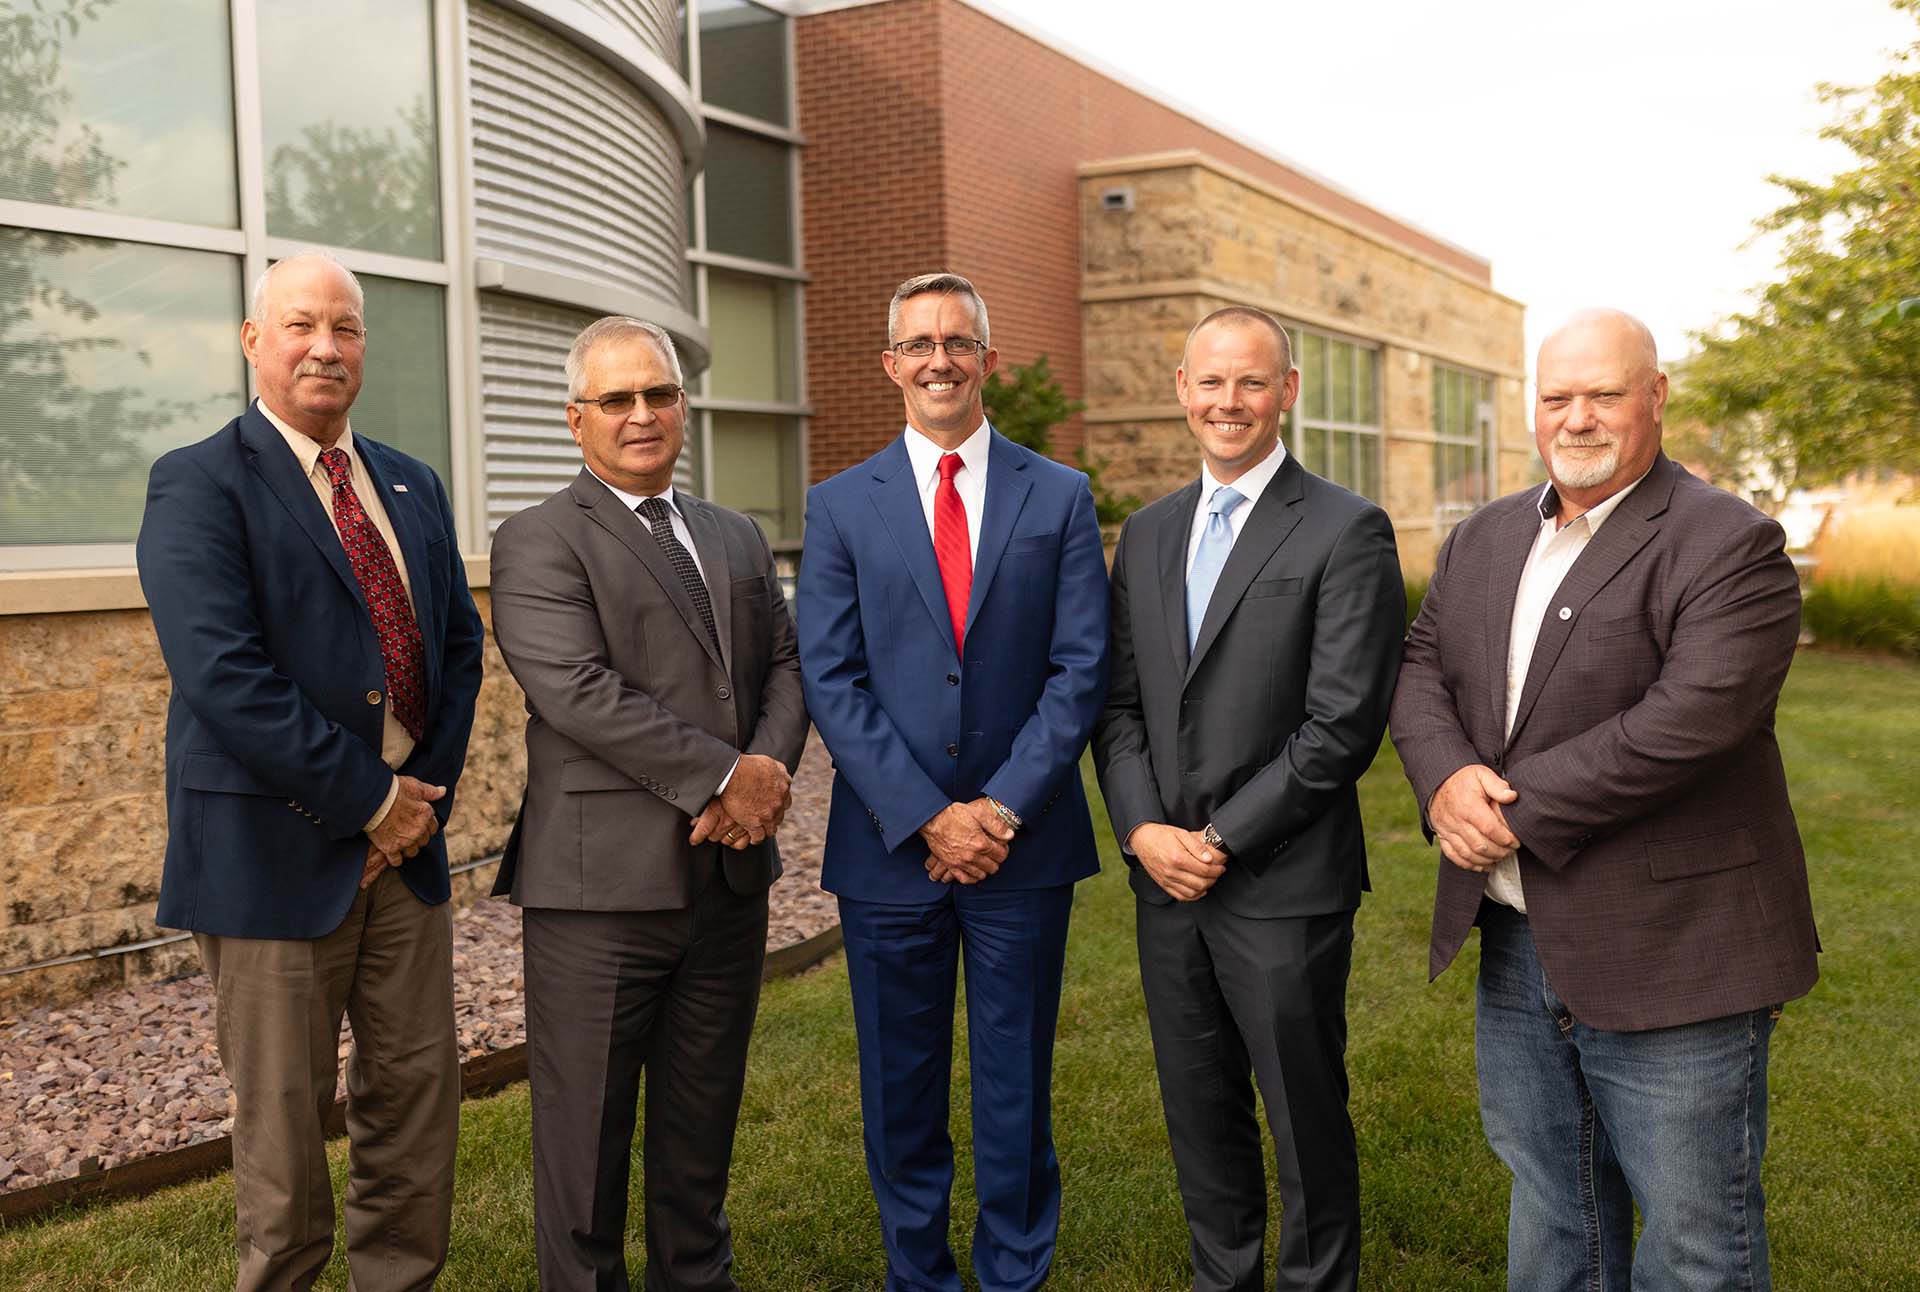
(1060, 45)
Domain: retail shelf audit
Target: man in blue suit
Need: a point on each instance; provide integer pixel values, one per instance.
(952, 623)
(310, 601)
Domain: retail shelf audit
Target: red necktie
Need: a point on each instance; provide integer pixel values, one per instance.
(951, 548)
(400, 650)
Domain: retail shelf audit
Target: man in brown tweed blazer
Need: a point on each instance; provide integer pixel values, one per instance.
(1586, 715)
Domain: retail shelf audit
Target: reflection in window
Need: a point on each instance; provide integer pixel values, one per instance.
(743, 59)
(126, 108)
(348, 125)
(749, 196)
(756, 469)
(1335, 425)
(404, 400)
(752, 323)
(1463, 435)
(111, 353)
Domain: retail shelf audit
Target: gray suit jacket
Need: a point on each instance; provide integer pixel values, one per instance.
(1662, 867)
(1265, 726)
(633, 719)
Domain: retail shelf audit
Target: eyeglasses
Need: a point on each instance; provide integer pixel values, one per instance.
(920, 347)
(618, 403)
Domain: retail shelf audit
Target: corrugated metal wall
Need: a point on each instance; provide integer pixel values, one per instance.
(575, 172)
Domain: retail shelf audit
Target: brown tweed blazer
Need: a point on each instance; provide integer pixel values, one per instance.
(1663, 871)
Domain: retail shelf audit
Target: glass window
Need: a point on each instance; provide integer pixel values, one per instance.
(404, 400)
(348, 125)
(749, 196)
(743, 59)
(1334, 428)
(756, 469)
(111, 353)
(752, 323)
(126, 108)
(1463, 441)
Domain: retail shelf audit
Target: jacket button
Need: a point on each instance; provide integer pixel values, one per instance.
(373, 697)
(953, 679)
(953, 751)
(724, 694)
(673, 794)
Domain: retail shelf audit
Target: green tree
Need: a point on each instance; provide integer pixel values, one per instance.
(1025, 402)
(1813, 379)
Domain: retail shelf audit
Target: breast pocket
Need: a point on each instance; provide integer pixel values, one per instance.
(1273, 588)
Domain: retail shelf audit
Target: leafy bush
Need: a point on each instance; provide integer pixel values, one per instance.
(1025, 402)
(1862, 613)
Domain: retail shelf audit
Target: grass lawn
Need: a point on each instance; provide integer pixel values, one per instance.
(1841, 1170)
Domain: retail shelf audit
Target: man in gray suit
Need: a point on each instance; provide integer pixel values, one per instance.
(1256, 625)
(1586, 715)
(664, 719)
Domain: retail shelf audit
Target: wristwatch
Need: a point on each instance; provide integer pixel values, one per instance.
(1211, 837)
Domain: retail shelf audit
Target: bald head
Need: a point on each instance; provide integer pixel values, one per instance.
(1596, 415)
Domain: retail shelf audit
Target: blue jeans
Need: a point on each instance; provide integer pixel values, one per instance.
(1592, 1122)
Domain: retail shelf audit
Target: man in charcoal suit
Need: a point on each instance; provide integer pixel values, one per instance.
(1586, 715)
(664, 720)
(1256, 619)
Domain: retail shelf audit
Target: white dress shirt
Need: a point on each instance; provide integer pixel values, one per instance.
(632, 501)
(395, 743)
(1252, 483)
(1555, 548)
(970, 481)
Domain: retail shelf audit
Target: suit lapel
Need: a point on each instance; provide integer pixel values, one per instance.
(1176, 527)
(1514, 541)
(611, 515)
(275, 463)
(897, 498)
(1272, 519)
(1632, 524)
(1006, 493)
(712, 548)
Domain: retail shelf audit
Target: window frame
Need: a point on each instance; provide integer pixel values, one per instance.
(1298, 422)
(1447, 514)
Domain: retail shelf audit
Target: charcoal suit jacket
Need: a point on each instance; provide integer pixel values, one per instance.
(1662, 868)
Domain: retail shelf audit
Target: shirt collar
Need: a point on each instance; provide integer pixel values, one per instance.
(305, 447)
(632, 501)
(1596, 515)
(1252, 482)
(925, 455)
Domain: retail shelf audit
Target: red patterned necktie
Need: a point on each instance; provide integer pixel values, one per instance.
(951, 547)
(400, 650)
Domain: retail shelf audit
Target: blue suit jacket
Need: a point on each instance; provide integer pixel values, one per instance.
(910, 725)
(273, 748)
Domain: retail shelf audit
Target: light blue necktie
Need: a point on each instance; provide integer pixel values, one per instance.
(1216, 540)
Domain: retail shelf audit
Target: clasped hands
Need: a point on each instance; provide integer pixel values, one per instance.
(405, 829)
(1180, 861)
(1466, 818)
(750, 808)
(966, 842)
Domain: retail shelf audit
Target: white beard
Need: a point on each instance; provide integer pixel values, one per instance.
(1584, 471)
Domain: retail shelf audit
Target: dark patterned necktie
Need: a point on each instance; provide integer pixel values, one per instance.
(654, 512)
(401, 653)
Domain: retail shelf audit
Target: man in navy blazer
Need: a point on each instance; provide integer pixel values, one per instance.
(311, 604)
(953, 646)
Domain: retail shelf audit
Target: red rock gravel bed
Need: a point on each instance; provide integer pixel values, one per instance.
(133, 1071)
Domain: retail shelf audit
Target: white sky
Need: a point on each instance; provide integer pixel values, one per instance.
(1596, 152)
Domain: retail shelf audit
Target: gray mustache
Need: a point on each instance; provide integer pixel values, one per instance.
(313, 368)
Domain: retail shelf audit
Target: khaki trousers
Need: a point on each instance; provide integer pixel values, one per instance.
(389, 968)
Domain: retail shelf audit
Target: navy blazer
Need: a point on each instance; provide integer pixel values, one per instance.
(279, 694)
(911, 726)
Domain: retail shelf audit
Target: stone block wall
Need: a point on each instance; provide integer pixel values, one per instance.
(1200, 233)
(83, 716)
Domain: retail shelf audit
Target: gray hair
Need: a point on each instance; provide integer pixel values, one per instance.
(945, 284)
(1242, 316)
(257, 303)
(616, 327)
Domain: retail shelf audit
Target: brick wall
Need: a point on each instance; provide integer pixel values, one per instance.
(83, 719)
(940, 137)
